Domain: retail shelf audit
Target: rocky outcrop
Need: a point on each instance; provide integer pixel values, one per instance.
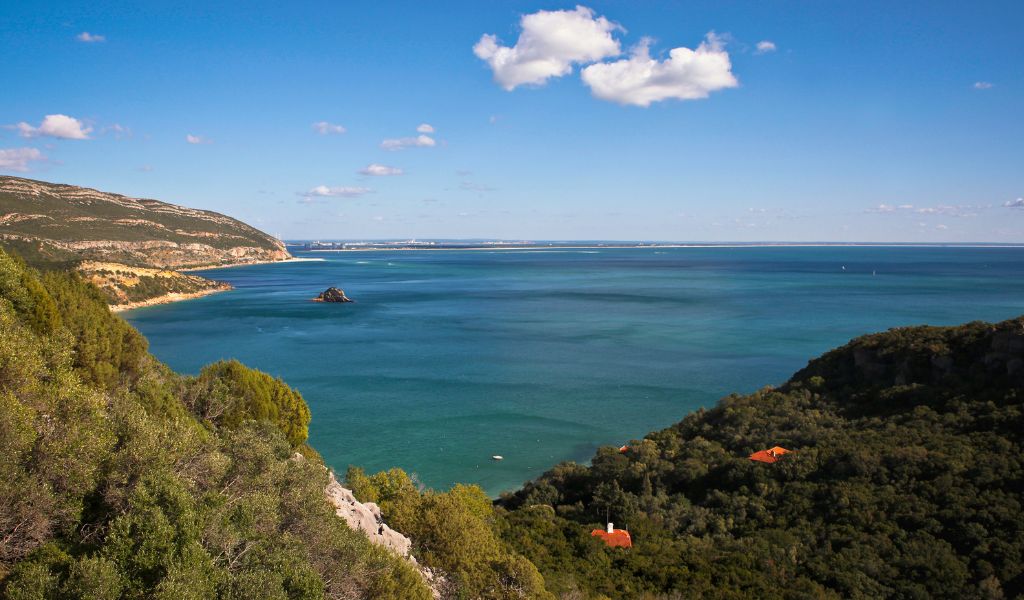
(910, 356)
(332, 294)
(365, 517)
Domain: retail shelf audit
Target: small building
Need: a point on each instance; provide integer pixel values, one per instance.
(614, 538)
(770, 455)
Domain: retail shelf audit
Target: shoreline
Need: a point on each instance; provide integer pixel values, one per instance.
(167, 299)
(293, 259)
(649, 247)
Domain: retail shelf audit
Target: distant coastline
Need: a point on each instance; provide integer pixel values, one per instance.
(293, 259)
(390, 246)
(167, 299)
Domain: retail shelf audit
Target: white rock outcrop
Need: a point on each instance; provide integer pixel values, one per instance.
(366, 517)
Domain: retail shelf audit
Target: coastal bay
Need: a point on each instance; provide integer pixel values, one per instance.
(448, 358)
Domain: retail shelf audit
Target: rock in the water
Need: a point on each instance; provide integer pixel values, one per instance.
(333, 294)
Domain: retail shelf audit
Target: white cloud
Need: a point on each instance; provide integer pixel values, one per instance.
(962, 211)
(982, 85)
(324, 191)
(58, 126)
(18, 159)
(325, 128)
(685, 75)
(425, 128)
(420, 141)
(548, 46)
(941, 226)
(1018, 203)
(90, 38)
(765, 46)
(119, 131)
(197, 139)
(378, 170)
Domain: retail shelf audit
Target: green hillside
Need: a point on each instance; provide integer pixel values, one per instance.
(907, 482)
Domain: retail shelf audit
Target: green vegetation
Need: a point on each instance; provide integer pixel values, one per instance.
(122, 479)
(908, 482)
(122, 286)
(117, 484)
(455, 532)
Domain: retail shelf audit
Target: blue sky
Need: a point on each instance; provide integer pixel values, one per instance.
(871, 121)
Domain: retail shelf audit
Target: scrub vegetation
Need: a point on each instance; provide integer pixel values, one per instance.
(123, 479)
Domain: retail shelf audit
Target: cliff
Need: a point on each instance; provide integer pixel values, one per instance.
(60, 225)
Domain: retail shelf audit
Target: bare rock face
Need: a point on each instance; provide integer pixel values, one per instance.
(333, 294)
(366, 518)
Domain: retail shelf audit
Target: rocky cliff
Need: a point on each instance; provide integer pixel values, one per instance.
(49, 222)
(130, 247)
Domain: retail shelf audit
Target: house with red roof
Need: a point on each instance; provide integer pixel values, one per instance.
(770, 455)
(614, 538)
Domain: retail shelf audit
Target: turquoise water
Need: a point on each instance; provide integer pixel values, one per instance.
(449, 357)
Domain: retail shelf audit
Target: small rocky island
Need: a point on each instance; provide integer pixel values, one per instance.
(332, 294)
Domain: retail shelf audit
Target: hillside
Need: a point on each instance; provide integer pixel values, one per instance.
(69, 223)
(130, 247)
(907, 481)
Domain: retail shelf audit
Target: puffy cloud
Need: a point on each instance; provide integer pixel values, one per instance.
(18, 159)
(1018, 203)
(58, 126)
(420, 141)
(685, 75)
(324, 191)
(982, 85)
(548, 46)
(378, 170)
(196, 139)
(90, 38)
(425, 128)
(765, 46)
(325, 128)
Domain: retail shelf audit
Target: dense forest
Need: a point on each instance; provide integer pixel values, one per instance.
(123, 479)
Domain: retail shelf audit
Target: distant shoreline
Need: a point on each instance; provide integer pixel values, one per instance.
(654, 247)
(167, 299)
(246, 264)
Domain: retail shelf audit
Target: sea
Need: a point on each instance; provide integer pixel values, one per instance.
(450, 357)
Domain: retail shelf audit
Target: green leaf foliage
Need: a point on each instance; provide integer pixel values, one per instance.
(115, 488)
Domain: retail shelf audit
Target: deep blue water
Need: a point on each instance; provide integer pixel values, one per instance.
(449, 357)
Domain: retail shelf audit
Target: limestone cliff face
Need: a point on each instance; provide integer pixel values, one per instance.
(55, 222)
(365, 517)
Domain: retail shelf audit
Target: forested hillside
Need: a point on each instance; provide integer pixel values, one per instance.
(907, 482)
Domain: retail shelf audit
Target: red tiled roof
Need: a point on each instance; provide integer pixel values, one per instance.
(770, 455)
(618, 538)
